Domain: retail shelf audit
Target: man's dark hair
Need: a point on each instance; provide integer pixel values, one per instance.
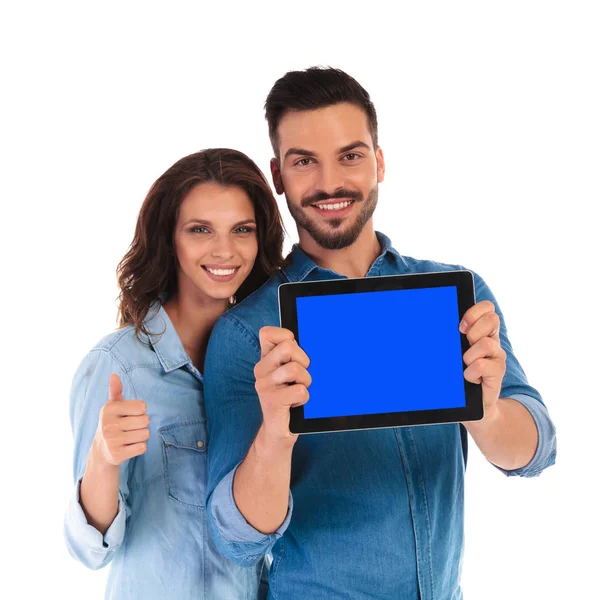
(316, 87)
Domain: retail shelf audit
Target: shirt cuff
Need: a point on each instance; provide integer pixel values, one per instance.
(88, 536)
(545, 452)
(231, 523)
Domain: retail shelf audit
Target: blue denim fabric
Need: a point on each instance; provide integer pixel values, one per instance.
(373, 514)
(158, 545)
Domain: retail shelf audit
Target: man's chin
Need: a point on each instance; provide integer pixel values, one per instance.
(336, 233)
(334, 237)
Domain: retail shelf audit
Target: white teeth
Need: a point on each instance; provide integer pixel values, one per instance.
(335, 206)
(220, 271)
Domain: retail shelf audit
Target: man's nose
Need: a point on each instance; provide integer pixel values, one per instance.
(331, 178)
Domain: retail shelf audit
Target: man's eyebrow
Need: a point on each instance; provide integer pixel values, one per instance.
(301, 151)
(347, 148)
(353, 146)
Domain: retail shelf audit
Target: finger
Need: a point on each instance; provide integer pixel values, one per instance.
(298, 394)
(484, 348)
(285, 352)
(270, 336)
(487, 325)
(288, 396)
(130, 408)
(133, 450)
(115, 388)
(134, 437)
(133, 423)
(486, 370)
(290, 373)
(475, 312)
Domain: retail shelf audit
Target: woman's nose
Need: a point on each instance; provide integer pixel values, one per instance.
(223, 248)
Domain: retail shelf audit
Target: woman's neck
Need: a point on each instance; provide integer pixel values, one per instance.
(193, 319)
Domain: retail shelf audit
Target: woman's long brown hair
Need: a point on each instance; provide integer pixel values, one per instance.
(148, 272)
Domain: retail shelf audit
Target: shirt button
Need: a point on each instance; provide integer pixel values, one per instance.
(200, 444)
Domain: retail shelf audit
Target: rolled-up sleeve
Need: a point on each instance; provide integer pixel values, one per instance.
(516, 386)
(234, 416)
(85, 542)
(238, 540)
(88, 394)
(545, 454)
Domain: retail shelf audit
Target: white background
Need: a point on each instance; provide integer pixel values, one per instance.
(489, 121)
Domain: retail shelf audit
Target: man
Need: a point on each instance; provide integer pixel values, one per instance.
(361, 514)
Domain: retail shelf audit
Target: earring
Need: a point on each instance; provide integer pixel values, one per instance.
(232, 300)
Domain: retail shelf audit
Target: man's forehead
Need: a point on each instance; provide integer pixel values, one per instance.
(323, 129)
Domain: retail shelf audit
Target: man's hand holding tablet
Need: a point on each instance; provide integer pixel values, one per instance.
(282, 381)
(485, 359)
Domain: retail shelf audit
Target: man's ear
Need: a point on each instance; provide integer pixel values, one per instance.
(276, 175)
(380, 165)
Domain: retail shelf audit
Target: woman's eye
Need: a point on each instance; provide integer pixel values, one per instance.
(244, 229)
(198, 229)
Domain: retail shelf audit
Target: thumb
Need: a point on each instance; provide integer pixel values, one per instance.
(115, 388)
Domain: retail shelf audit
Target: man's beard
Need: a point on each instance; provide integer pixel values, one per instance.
(328, 237)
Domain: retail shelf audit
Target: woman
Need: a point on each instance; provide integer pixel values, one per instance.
(208, 231)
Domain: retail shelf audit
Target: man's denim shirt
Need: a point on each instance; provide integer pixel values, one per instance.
(158, 544)
(372, 514)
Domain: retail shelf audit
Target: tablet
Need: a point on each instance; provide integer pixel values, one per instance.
(384, 351)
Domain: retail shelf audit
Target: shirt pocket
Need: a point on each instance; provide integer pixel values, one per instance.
(184, 459)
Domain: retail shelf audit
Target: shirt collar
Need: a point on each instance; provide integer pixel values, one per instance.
(164, 339)
(299, 265)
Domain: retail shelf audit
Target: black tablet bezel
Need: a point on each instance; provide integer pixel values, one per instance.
(462, 280)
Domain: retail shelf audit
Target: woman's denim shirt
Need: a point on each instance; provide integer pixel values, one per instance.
(158, 544)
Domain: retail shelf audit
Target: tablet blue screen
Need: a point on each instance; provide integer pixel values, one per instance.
(377, 352)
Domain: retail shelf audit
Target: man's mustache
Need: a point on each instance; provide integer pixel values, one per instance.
(321, 196)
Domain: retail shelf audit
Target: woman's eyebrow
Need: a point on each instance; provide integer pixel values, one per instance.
(209, 223)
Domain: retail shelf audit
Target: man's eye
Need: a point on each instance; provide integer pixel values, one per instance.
(351, 156)
(303, 162)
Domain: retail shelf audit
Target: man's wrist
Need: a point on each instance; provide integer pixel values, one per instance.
(492, 415)
(268, 445)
